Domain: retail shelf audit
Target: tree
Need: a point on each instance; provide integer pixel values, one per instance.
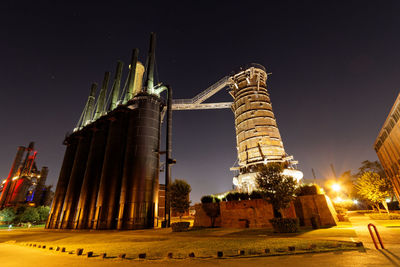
(179, 192)
(43, 212)
(279, 189)
(371, 166)
(375, 188)
(7, 215)
(210, 205)
(30, 215)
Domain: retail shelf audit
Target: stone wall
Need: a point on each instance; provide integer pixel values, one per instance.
(241, 214)
(202, 220)
(256, 213)
(319, 206)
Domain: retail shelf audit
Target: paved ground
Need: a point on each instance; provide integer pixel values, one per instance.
(15, 255)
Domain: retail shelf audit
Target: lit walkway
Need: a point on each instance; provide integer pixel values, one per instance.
(390, 238)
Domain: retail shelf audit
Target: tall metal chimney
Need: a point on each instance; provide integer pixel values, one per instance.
(102, 97)
(149, 78)
(132, 75)
(116, 86)
(90, 105)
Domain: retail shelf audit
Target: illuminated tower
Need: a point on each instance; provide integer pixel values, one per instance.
(257, 136)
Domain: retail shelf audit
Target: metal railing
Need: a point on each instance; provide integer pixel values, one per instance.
(377, 235)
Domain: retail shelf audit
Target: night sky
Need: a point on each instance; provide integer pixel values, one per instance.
(335, 75)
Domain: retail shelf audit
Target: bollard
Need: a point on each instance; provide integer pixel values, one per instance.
(39, 246)
(142, 255)
(122, 256)
(191, 255)
(103, 255)
(240, 252)
(170, 255)
(58, 248)
(89, 254)
(291, 248)
(63, 250)
(44, 246)
(79, 251)
(220, 254)
(50, 248)
(267, 250)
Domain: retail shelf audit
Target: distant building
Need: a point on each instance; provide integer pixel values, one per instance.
(25, 184)
(387, 146)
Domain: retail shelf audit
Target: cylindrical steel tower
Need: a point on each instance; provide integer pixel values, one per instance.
(90, 186)
(76, 179)
(62, 184)
(111, 174)
(139, 190)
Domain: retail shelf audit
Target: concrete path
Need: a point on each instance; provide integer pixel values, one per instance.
(390, 239)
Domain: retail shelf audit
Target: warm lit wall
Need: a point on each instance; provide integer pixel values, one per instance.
(387, 146)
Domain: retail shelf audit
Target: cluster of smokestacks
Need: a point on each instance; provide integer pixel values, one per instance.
(110, 173)
(22, 176)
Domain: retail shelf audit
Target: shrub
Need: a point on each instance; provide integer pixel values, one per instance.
(285, 225)
(43, 212)
(30, 215)
(180, 226)
(7, 215)
(244, 196)
(256, 195)
(382, 216)
(216, 200)
(212, 210)
(207, 199)
(306, 190)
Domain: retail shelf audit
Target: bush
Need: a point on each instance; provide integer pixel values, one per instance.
(306, 190)
(207, 199)
(256, 195)
(212, 210)
(43, 212)
(383, 216)
(216, 200)
(285, 225)
(180, 226)
(30, 215)
(244, 196)
(233, 196)
(7, 215)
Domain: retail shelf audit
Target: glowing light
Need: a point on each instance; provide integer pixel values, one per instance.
(338, 200)
(336, 187)
(388, 200)
(15, 178)
(298, 175)
(355, 201)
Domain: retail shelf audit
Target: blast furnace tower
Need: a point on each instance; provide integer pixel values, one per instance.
(258, 139)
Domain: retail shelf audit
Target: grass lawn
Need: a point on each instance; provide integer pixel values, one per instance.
(203, 242)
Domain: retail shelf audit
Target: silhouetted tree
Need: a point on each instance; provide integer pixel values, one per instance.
(179, 192)
(278, 189)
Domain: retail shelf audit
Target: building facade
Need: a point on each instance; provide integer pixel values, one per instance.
(387, 146)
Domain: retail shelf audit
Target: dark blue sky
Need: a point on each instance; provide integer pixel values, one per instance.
(335, 68)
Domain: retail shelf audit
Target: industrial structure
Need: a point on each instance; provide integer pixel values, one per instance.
(110, 173)
(109, 177)
(25, 183)
(387, 146)
(258, 140)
